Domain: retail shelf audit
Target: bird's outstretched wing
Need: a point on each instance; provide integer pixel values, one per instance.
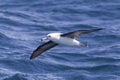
(75, 34)
(43, 48)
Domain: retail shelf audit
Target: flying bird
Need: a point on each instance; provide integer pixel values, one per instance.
(55, 39)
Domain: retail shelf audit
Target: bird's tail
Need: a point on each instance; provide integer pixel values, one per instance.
(84, 44)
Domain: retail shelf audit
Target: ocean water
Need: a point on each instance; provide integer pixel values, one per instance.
(24, 22)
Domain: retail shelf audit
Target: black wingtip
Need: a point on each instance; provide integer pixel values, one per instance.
(31, 57)
(98, 29)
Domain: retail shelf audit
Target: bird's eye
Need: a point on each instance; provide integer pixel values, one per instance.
(48, 36)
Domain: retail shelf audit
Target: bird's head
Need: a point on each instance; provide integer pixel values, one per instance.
(51, 36)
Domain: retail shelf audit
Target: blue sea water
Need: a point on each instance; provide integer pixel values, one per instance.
(24, 22)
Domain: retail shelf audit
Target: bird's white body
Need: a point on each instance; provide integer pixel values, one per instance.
(55, 37)
(66, 41)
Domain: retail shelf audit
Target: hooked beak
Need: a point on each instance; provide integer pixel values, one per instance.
(45, 38)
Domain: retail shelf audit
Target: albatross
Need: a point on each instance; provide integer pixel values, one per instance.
(55, 39)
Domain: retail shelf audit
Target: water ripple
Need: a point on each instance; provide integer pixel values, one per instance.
(23, 23)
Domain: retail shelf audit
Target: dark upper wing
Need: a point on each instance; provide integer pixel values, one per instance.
(74, 34)
(42, 48)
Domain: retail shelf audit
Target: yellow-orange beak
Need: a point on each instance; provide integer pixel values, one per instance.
(45, 38)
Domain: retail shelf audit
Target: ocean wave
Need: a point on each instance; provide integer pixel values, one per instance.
(23, 23)
(22, 76)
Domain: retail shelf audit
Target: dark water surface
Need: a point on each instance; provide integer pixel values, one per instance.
(24, 22)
